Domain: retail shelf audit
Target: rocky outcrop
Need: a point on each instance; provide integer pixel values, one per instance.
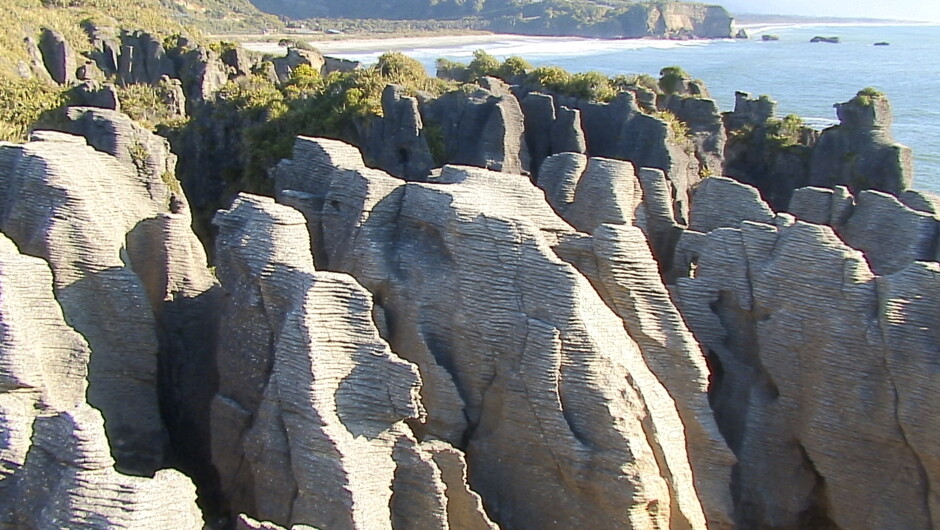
(483, 128)
(706, 130)
(397, 142)
(621, 131)
(801, 334)
(119, 277)
(860, 152)
(57, 55)
(56, 469)
(459, 268)
(309, 422)
(766, 152)
(550, 131)
(676, 20)
(143, 59)
(890, 234)
(284, 66)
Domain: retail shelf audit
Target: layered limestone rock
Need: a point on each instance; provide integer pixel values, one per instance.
(484, 128)
(802, 336)
(591, 192)
(43, 362)
(309, 421)
(131, 281)
(890, 234)
(397, 142)
(621, 131)
(860, 152)
(56, 469)
(766, 152)
(706, 129)
(550, 131)
(508, 336)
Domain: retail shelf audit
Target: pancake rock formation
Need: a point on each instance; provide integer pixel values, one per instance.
(57, 471)
(309, 422)
(524, 364)
(822, 352)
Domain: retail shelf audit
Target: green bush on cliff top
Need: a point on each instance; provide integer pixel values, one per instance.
(23, 102)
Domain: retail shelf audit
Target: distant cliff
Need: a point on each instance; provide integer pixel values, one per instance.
(588, 18)
(670, 20)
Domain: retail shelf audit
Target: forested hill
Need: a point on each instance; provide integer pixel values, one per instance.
(609, 18)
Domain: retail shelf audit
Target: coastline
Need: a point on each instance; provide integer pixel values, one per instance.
(372, 43)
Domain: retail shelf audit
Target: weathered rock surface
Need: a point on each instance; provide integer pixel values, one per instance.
(309, 422)
(860, 152)
(56, 468)
(550, 131)
(397, 142)
(461, 269)
(484, 128)
(621, 131)
(57, 55)
(761, 152)
(120, 277)
(801, 334)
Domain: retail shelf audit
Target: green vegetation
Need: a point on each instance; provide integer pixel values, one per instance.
(150, 105)
(23, 102)
(591, 86)
(672, 79)
(867, 95)
(678, 130)
(785, 132)
(269, 116)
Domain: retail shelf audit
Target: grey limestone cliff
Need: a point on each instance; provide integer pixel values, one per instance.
(309, 424)
(510, 336)
(812, 351)
(56, 468)
(128, 272)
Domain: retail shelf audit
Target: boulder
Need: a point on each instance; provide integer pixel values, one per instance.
(57, 55)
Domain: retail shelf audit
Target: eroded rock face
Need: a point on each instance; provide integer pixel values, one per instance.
(57, 55)
(397, 142)
(506, 335)
(619, 130)
(484, 128)
(803, 335)
(860, 152)
(128, 272)
(309, 422)
(57, 471)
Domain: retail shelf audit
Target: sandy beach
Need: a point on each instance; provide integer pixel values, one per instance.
(375, 44)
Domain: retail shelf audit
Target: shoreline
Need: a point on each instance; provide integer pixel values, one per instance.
(377, 44)
(372, 42)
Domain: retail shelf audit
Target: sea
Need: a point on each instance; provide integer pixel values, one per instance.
(804, 78)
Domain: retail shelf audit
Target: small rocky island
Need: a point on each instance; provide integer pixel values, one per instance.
(248, 292)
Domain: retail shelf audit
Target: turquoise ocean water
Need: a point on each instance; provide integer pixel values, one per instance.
(804, 78)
